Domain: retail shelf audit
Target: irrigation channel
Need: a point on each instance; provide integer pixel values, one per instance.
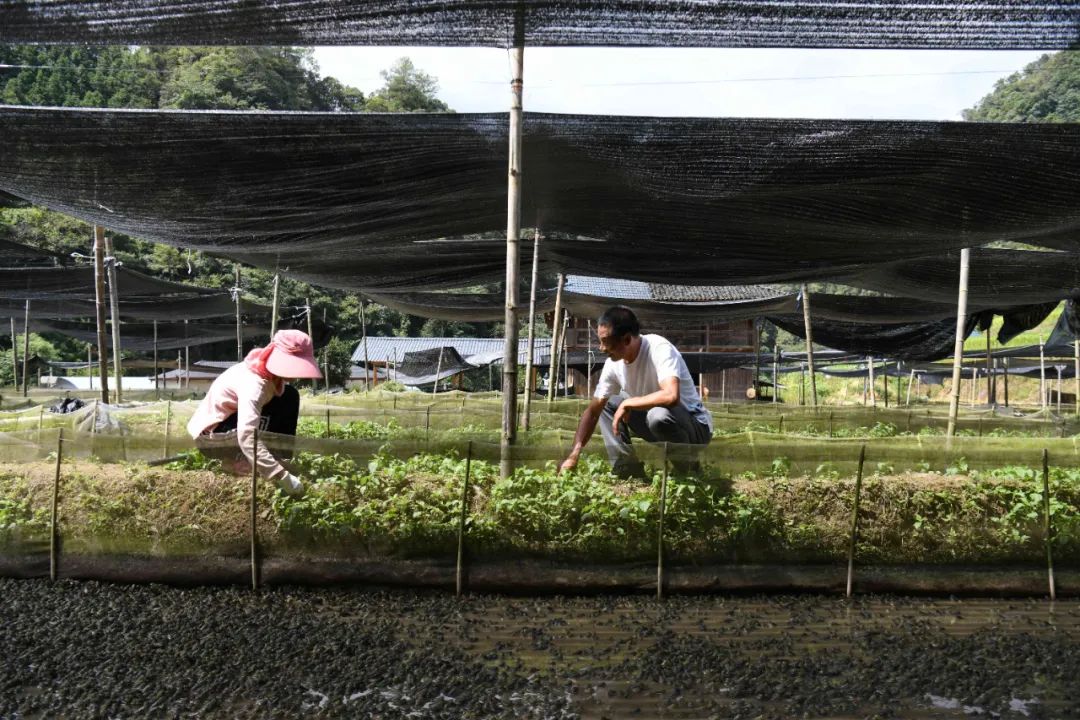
(90, 650)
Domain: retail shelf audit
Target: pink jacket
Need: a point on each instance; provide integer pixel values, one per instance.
(240, 390)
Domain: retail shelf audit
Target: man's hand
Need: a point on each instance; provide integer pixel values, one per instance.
(621, 414)
(568, 464)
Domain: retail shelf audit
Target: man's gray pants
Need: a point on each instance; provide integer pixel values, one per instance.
(659, 424)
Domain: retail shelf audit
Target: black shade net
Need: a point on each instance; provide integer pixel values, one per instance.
(423, 367)
(907, 341)
(479, 307)
(166, 308)
(17, 255)
(361, 201)
(990, 24)
(78, 283)
(995, 277)
(139, 337)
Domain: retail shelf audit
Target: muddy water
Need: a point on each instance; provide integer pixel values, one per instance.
(93, 650)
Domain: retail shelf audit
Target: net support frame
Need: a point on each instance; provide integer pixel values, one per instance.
(958, 347)
(855, 522)
(26, 352)
(99, 307)
(531, 344)
(513, 232)
(114, 314)
(809, 345)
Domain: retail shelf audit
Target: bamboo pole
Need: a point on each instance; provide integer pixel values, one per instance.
(54, 529)
(1058, 388)
(870, 381)
(1006, 379)
(367, 358)
(885, 382)
(513, 230)
(275, 306)
(26, 352)
(527, 411)
(958, 346)
(14, 357)
(1076, 374)
(157, 371)
(187, 358)
(253, 529)
(855, 521)
(802, 384)
(757, 362)
(989, 373)
(90, 364)
(911, 381)
(974, 386)
(307, 308)
(114, 313)
(809, 345)
(660, 527)
(168, 422)
(99, 305)
(776, 373)
(438, 371)
(589, 365)
(1047, 528)
(556, 325)
(239, 322)
(565, 353)
(1042, 375)
(459, 574)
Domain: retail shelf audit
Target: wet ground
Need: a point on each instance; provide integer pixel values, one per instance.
(83, 650)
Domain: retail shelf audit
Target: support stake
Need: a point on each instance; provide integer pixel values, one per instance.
(254, 511)
(855, 521)
(958, 346)
(168, 421)
(513, 231)
(660, 527)
(556, 325)
(809, 345)
(1047, 528)
(529, 359)
(54, 529)
(459, 575)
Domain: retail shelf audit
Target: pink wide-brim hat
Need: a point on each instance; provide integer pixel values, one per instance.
(293, 356)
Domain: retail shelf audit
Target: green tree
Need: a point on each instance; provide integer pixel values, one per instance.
(407, 89)
(1047, 90)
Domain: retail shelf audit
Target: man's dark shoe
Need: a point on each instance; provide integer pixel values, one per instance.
(631, 471)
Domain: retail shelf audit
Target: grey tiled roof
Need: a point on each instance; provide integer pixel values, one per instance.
(635, 290)
(478, 351)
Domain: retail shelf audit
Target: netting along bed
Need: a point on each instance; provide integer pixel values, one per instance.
(771, 511)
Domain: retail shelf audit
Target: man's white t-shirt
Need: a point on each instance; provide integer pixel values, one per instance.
(657, 360)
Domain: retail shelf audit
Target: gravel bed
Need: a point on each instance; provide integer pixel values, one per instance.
(83, 650)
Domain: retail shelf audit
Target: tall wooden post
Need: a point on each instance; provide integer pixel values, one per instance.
(990, 399)
(1042, 374)
(873, 387)
(275, 306)
(958, 347)
(1005, 379)
(157, 394)
(239, 323)
(1076, 373)
(556, 329)
(809, 345)
(99, 306)
(187, 358)
(26, 352)
(367, 358)
(14, 356)
(532, 332)
(90, 364)
(776, 372)
(307, 304)
(114, 314)
(513, 230)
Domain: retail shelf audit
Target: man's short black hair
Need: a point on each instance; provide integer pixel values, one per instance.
(621, 320)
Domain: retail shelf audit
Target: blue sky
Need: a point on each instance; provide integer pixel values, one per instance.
(864, 84)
